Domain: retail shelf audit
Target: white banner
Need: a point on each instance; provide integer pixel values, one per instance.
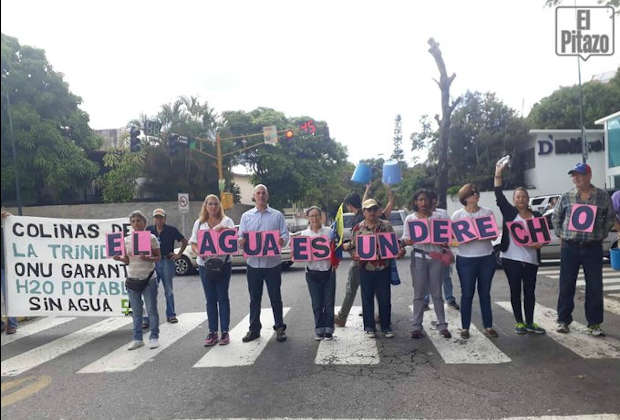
(59, 267)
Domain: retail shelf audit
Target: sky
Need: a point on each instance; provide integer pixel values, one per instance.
(353, 64)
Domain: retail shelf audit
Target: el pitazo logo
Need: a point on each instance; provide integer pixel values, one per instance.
(584, 31)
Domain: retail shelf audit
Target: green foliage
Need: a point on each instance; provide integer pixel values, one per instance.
(51, 134)
(560, 110)
(118, 184)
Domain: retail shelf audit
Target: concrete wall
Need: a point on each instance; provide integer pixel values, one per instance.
(112, 210)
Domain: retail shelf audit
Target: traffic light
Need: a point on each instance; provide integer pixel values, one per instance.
(134, 142)
(289, 134)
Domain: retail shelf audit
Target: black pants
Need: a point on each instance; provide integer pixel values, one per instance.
(256, 278)
(519, 273)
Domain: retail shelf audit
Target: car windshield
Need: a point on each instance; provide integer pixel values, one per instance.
(396, 219)
(537, 201)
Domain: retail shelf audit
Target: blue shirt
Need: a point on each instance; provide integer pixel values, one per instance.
(258, 221)
(167, 237)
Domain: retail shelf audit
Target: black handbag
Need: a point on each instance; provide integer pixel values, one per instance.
(138, 285)
(216, 265)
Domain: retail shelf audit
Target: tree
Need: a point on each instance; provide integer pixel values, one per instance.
(614, 3)
(51, 132)
(444, 83)
(119, 183)
(397, 153)
(560, 110)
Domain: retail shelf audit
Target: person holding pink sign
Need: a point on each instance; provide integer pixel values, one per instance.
(140, 282)
(321, 278)
(582, 219)
(215, 270)
(427, 269)
(520, 262)
(475, 262)
(374, 271)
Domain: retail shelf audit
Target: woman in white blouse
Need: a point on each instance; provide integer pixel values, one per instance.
(214, 271)
(321, 280)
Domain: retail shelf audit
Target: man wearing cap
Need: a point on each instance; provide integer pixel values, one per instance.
(581, 248)
(264, 269)
(165, 268)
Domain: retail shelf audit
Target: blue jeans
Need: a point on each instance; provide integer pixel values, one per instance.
(474, 270)
(215, 287)
(322, 288)
(11, 320)
(591, 258)
(448, 290)
(376, 283)
(150, 301)
(165, 270)
(273, 278)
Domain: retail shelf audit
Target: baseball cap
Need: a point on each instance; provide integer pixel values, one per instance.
(159, 212)
(370, 203)
(581, 168)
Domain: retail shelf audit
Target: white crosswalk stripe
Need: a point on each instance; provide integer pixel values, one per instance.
(122, 360)
(546, 272)
(578, 341)
(477, 349)
(42, 354)
(34, 327)
(349, 346)
(238, 353)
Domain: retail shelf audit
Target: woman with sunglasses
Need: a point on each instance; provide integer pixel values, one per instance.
(475, 264)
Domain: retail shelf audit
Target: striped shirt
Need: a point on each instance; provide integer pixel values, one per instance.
(254, 220)
(602, 224)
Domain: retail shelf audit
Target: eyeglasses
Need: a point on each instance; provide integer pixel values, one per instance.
(372, 209)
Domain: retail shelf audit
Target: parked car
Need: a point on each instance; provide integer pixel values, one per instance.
(187, 263)
(552, 250)
(541, 203)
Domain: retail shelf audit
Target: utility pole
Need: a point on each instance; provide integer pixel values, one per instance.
(584, 143)
(18, 194)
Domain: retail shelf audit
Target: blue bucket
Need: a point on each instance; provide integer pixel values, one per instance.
(614, 256)
(362, 173)
(391, 173)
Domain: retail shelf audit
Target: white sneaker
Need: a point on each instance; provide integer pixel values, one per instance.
(135, 344)
(153, 343)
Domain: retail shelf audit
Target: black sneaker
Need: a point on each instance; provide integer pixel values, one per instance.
(328, 336)
(251, 336)
(452, 304)
(280, 334)
(426, 307)
(173, 320)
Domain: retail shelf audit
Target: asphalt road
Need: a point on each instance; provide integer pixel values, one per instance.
(399, 377)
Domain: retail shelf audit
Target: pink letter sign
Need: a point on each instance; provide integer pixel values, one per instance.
(114, 244)
(320, 248)
(261, 244)
(207, 243)
(419, 232)
(539, 230)
(300, 248)
(464, 230)
(227, 242)
(487, 227)
(366, 247)
(388, 245)
(582, 217)
(271, 243)
(141, 242)
(440, 231)
(519, 233)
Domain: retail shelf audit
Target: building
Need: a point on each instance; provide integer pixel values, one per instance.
(548, 155)
(113, 138)
(241, 177)
(611, 125)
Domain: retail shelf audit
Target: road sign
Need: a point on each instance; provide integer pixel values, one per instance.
(271, 135)
(183, 203)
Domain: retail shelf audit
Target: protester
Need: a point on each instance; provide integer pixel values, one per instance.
(264, 269)
(375, 274)
(141, 283)
(475, 264)
(353, 203)
(615, 199)
(581, 248)
(165, 268)
(321, 279)
(520, 263)
(11, 321)
(215, 271)
(387, 210)
(448, 289)
(427, 269)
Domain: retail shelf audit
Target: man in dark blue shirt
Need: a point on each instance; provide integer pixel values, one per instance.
(165, 268)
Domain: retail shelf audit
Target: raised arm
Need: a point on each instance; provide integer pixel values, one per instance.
(507, 209)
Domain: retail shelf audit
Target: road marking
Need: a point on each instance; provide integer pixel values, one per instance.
(611, 305)
(605, 281)
(477, 349)
(35, 384)
(42, 354)
(547, 272)
(238, 353)
(34, 327)
(350, 346)
(578, 340)
(577, 417)
(123, 360)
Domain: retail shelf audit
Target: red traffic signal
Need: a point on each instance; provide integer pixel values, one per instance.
(289, 134)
